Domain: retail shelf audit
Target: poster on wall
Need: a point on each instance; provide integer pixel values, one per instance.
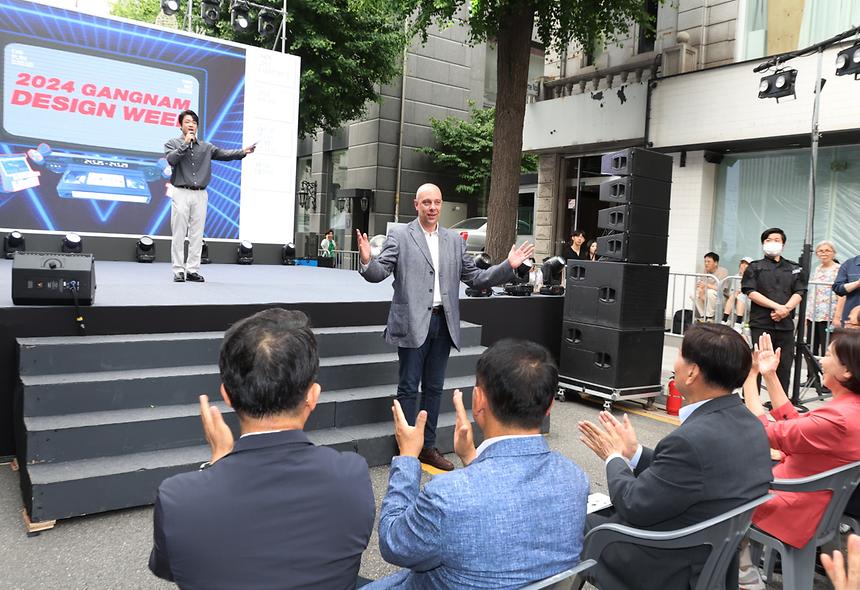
(89, 102)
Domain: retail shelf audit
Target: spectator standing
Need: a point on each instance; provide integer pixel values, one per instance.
(821, 301)
(705, 298)
(575, 250)
(328, 246)
(847, 285)
(591, 250)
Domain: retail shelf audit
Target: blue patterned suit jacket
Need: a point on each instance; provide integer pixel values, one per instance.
(514, 515)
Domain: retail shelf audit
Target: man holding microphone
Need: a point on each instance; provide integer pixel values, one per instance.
(191, 161)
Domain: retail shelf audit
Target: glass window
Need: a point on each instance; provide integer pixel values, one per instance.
(648, 34)
(771, 189)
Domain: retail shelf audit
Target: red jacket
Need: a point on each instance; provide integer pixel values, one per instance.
(823, 439)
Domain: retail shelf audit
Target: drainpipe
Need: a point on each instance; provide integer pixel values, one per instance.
(400, 132)
(704, 40)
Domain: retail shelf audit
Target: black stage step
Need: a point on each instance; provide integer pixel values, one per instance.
(104, 419)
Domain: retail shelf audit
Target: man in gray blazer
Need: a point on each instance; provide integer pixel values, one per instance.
(716, 460)
(428, 263)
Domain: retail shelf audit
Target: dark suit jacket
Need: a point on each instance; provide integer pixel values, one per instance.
(718, 459)
(406, 254)
(277, 512)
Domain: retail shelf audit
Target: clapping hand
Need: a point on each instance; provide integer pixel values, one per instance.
(464, 441)
(363, 247)
(603, 441)
(518, 255)
(410, 439)
(218, 434)
(623, 429)
(765, 356)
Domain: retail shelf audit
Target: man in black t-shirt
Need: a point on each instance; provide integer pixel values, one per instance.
(775, 286)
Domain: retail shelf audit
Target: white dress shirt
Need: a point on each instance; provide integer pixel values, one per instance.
(432, 238)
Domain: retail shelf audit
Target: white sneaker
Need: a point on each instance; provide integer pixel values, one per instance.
(749, 578)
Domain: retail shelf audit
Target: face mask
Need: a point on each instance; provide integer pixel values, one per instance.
(772, 248)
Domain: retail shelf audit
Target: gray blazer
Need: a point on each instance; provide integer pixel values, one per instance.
(405, 253)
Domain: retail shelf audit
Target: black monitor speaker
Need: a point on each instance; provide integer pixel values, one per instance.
(50, 278)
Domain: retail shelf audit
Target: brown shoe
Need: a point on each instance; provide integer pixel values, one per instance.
(435, 459)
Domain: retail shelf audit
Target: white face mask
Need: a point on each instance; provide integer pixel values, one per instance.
(772, 248)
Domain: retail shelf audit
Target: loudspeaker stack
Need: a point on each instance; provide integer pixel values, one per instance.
(614, 308)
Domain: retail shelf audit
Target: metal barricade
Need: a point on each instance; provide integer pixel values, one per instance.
(692, 297)
(346, 259)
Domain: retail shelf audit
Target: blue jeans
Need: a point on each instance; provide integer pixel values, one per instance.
(425, 365)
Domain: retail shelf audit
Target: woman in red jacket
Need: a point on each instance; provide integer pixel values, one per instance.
(822, 439)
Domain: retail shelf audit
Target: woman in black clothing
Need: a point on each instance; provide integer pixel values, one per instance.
(591, 250)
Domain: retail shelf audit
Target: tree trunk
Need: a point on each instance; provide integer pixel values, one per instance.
(514, 49)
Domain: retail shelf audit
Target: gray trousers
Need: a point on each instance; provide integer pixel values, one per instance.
(187, 217)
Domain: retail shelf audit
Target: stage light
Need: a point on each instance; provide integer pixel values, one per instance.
(848, 61)
(376, 243)
(245, 253)
(204, 254)
(520, 287)
(210, 11)
(288, 254)
(170, 7)
(13, 242)
(551, 271)
(145, 250)
(483, 261)
(267, 22)
(239, 18)
(778, 85)
(72, 244)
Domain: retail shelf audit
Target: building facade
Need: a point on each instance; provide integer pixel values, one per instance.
(741, 163)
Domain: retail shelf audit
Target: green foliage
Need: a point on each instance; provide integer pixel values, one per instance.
(465, 147)
(348, 48)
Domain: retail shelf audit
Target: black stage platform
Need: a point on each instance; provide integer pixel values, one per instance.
(134, 298)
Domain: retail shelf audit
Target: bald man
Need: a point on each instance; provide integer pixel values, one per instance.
(428, 263)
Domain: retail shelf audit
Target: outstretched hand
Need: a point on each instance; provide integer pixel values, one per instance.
(464, 440)
(217, 433)
(765, 356)
(410, 439)
(835, 566)
(363, 247)
(518, 255)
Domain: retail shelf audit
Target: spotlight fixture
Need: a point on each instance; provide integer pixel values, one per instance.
(288, 254)
(204, 254)
(551, 271)
(170, 7)
(239, 17)
(145, 250)
(267, 23)
(376, 244)
(210, 11)
(14, 242)
(520, 287)
(482, 260)
(848, 61)
(245, 253)
(72, 244)
(778, 85)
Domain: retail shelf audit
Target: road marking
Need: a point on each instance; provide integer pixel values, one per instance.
(654, 416)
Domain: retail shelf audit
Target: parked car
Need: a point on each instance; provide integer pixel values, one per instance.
(474, 231)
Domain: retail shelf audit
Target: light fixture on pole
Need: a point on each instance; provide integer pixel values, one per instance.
(848, 61)
(240, 20)
(778, 85)
(308, 194)
(267, 22)
(210, 12)
(170, 7)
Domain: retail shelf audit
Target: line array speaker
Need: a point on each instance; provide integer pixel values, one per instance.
(637, 162)
(635, 218)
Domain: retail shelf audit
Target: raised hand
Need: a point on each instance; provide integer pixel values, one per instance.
(517, 255)
(363, 247)
(410, 439)
(464, 441)
(765, 356)
(218, 434)
(602, 442)
(624, 431)
(835, 566)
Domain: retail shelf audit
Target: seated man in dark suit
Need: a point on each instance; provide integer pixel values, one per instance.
(272, 510)
(716, 460)
(505, 519)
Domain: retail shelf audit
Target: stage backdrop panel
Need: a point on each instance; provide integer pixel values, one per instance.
(88, 103)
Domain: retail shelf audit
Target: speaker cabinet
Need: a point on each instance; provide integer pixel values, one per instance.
(637, 162)
(638, 191)
(616, 295)
(635, 218)
(633, 247)
(609, 357)
(49, 278)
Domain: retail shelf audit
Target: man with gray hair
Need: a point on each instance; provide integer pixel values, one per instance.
(428, 263)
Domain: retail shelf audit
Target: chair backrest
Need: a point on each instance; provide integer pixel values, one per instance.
(561, 581)
(842, 481)
(722, 534)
